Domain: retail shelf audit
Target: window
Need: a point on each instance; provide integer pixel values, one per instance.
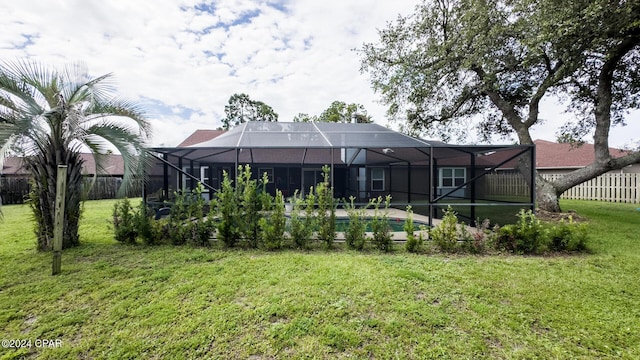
(377, 179)
(204, 176)
(186, 180)
(452, 177)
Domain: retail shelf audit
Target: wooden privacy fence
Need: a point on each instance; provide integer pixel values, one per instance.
(14, 190)
(607, 187)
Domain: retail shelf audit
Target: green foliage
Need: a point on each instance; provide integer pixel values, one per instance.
(326, 212)
(304, 117)
(567, 236)
(301, 226)
(125, 225)
(251, 205)
(477, 240)
(178, 218)
(414, 242)
(355, 236)
(380, 224)
(527, 236)
(145, 224)
(273, 225)
(445, 234)
(308, 305)
(449, 61)
(228, 210)
(339, 111)
(42, 198)
(241, 109)
(58, 112)
(187, 223)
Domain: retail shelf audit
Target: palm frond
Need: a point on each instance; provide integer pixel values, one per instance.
(89, 90)
(120, 108)
(7, 141)
(98, 149)
(42, 82)
(128, 143)
(18, 95)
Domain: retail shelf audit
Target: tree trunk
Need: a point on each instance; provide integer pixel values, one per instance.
(43, 168)
(547, 197)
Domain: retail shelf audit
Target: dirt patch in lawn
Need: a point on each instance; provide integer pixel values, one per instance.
(554, 217)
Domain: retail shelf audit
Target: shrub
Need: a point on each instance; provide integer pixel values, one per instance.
(273, 225)
(355, 236)
(199, 227)
(144, 222)
(124, 222)
(251, 205)
(527, 236)
(326, 212)
(380, 224)
(301, 227)
(227, 205)
(475, 241)
(445, 234)
(159, 231)
(177, 218)
(567, 236)
(199, 231)
(413, 243)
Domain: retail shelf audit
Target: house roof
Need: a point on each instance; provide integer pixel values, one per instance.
(13, 166)
(263, 134)
(113, 165)
(318, 143)
(200, 136)
(552, 155)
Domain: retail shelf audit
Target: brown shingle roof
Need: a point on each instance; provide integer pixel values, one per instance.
(13, 166)
(555, 155)
(112, 163)
(200, 136)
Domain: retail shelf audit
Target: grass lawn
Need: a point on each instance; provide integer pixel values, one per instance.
(117, 301)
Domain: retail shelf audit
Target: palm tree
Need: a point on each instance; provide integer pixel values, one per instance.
(49, 117)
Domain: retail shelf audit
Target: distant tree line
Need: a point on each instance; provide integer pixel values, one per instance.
(241, 108)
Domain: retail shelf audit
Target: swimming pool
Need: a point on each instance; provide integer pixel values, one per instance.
(396, 224)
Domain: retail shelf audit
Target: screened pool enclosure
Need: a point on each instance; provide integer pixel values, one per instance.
(366, 161)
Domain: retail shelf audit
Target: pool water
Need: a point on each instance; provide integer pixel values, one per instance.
(396, 224)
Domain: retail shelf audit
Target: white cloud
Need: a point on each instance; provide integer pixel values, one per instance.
(180, 54)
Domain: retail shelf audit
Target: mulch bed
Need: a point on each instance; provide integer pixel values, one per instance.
(551, 216)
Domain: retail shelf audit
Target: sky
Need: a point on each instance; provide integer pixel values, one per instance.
(183, 59)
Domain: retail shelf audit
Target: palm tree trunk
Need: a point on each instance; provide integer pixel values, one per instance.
(43, 168)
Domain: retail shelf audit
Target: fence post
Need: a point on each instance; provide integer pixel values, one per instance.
(637, 187)
(58, 228)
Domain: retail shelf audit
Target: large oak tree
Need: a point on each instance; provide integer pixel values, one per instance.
(455, 60)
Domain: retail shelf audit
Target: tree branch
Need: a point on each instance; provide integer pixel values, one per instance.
(507, 109)
(604, 97)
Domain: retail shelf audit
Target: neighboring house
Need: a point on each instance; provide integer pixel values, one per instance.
(366, 161)
(557, 158)
(14, 177)
(113, 166)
